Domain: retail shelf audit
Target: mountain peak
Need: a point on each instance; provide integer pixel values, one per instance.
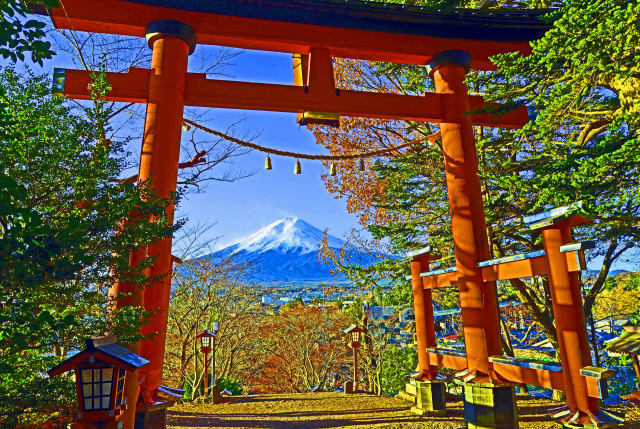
(287, 251)
(288, 234)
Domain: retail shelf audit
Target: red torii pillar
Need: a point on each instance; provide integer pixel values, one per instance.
(131, 296)
(423, 310)
(575, 354)
(485, 398)
(172, 43)
(478, 300)
(430, 392)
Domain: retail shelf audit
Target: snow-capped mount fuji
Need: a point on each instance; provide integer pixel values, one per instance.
(287, 251)
(285, 235)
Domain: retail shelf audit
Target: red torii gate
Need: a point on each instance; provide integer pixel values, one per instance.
(450, 43)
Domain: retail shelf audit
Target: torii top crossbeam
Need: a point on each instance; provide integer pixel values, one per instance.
(348, 29)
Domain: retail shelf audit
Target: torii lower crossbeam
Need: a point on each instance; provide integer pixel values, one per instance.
(202, 92)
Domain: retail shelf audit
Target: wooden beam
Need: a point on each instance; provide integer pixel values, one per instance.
(575, 260)
(440, 280)
(533, 376)
(131, 87)
(516, 269)
(528, 267)
(522, 268)
(202, 92)
(444, 360)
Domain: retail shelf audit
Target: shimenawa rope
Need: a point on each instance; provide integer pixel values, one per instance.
(368, 154)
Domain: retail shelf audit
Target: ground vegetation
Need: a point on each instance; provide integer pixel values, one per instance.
(62, 241)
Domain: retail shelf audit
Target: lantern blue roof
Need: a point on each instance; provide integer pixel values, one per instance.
(352, 328)
(206, 333)
(124, 355)
(102, 347)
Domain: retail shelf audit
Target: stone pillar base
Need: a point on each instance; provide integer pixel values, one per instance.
(430, 398)
(152, 418)
(489, 406)
(215, 395)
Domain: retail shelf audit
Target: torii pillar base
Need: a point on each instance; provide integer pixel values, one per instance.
(603, 418)
(488, 405)
(430, 398)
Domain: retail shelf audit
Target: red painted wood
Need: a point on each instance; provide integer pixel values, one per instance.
(201, 92)
(440, 280)
(425, 327)
(533, 376)
(569, 318)
(131, 19)
(446, 361)
(159, 163)
(478, 299)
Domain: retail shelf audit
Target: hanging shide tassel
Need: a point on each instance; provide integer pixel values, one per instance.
(298, 167)
(362, 164)
(332, 170)
(186, 127)
(267, 163)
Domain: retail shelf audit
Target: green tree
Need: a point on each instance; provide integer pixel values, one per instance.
(63, 241)
(397, 363)
(19, 35)
(582, 82)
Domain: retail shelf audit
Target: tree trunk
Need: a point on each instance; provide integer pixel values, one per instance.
(508, 350)
(594, 339)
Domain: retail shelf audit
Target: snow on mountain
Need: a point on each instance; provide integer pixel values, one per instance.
(285, 235)
(287, 252)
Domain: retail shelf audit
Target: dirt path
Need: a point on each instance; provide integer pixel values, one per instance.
(332, 410)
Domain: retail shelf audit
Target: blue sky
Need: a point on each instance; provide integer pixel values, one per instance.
(244, 206)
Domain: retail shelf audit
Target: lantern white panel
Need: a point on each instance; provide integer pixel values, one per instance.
(86, 376)
(107, 374)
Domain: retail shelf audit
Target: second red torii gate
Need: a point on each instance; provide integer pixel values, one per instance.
(319, 31)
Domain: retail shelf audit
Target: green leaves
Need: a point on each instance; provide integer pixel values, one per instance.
(397, 363)
(61, 246)
(19, 37)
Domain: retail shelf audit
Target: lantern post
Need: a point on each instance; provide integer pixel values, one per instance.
(206, 339)
(215, 328)
(355, 338)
